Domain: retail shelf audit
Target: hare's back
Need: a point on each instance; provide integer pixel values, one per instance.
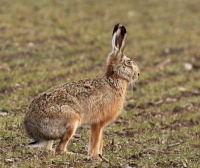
(70, 94)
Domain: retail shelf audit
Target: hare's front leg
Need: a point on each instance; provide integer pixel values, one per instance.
(67, 136)
(96, 140)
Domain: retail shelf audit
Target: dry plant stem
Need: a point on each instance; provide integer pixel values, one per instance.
(175, 144)
(104, 159)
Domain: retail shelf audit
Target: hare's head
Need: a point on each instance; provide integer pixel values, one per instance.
(118, 64)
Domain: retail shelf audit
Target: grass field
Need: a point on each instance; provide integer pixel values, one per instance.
(50, 42)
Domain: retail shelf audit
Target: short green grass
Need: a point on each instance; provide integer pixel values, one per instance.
(47, 43)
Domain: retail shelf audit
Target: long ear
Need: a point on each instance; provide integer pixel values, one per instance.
(118, 38)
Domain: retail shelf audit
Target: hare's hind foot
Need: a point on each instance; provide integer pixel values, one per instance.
(66, 137)
(46, 144)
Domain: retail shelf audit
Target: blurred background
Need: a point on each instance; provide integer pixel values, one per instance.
(49, 42)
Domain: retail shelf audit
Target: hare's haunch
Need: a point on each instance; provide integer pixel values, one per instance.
(57, 113)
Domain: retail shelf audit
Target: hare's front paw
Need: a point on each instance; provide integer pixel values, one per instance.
(95, 156)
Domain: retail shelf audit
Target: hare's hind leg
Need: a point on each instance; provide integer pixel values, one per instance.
(96, 140)
(67, 136)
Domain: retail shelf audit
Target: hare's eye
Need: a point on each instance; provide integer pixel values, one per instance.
(128, 63)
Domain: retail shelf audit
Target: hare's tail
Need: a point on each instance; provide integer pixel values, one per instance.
(33, 143)
(41, 144)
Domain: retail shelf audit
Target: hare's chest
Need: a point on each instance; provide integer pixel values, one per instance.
(116, 108)
(111, 111)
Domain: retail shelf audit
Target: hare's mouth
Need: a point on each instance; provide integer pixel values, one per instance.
(135, 76)
(133, 85)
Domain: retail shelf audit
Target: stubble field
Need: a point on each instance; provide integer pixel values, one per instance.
(47, 43)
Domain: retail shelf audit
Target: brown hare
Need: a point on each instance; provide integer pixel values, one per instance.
(58, 112)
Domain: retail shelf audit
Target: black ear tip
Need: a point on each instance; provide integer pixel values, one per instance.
(117, 26)
(123, 29)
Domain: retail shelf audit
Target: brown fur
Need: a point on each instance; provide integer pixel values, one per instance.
(56, 113)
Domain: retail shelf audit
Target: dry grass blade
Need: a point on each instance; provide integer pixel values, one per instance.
(175, 144)
(106, 160)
